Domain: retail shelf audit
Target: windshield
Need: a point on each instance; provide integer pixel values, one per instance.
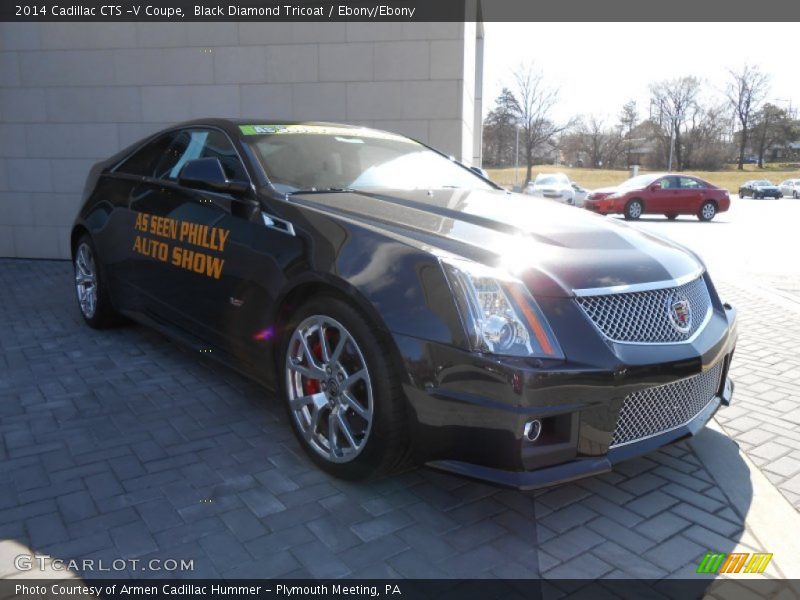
(320, 157)
(557, 179)
(637, 182)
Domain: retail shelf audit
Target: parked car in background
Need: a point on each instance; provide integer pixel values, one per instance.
(790, 187)
(759, 188)
(555, 186)
(580, 194)
(669, 194)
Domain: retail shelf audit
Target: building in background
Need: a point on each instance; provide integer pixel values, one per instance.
(73, 93)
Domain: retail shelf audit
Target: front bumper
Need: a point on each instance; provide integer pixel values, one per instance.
(599, 205)
(469, 412)
(588, 466)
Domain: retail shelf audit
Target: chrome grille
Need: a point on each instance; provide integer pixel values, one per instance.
(659, 409)
(644, 317)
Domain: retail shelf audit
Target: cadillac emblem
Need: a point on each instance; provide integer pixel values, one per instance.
(679, 312)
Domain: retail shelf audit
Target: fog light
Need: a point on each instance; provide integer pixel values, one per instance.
(532, 430)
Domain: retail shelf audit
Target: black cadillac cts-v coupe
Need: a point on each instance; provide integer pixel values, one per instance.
(404, 308)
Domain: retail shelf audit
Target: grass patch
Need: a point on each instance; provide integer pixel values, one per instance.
(729, 179)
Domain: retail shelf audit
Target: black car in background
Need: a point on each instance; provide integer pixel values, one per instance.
(404, 309)
(759, 188)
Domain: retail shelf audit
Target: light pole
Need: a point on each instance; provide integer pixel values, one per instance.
(516, 155)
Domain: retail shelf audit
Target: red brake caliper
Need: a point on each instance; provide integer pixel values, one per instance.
(311, 386)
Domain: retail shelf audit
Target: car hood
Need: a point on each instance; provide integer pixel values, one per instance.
(601, 193)
(766, 187)
(554, 248)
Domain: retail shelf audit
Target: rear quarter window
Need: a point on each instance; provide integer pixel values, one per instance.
(141, 162)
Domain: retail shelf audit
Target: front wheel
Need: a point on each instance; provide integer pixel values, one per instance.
(91, 288)
(633, 210)
(344, 398)
(707, 211)
(794, 195)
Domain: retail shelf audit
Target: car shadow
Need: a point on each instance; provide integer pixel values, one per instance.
(687, 219)
(120, 444)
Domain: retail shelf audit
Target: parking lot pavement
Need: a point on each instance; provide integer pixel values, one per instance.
(119, 444)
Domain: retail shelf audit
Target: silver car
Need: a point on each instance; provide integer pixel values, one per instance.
(556, 186)
(790, 188)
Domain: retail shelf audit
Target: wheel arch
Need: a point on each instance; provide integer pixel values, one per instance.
(294, 298)
(78, 231)
(638, 199)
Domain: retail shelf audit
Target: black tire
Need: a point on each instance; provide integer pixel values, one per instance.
(104, 315)
(742, 194)
(386, 448)
(794, 194)
(671, 217)
(756, 196)
(633, 209)
(708, 210)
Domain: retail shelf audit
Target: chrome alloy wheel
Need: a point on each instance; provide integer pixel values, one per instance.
(86, 280)
(635, 210)
(708, 211)
(329, 389)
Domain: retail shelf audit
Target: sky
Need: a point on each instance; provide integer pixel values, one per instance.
(597, 67)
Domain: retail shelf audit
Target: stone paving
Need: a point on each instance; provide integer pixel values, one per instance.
(120, 444)
(765, 416)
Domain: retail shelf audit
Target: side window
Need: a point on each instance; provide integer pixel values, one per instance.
(199, 143)
(141, 162)
(687, 183)
(667, 183)
(172, 156)
(218, 146)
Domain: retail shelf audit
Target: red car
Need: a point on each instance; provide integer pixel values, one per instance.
(670, 194)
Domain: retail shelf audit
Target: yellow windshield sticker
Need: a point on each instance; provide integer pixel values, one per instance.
(361, 132)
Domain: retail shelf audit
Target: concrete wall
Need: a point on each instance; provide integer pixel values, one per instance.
(72, 93)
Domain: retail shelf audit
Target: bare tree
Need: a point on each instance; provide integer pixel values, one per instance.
(674, 99)
(746, 91)
(535, 100)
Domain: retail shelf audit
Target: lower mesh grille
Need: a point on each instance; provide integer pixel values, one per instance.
(658, 409)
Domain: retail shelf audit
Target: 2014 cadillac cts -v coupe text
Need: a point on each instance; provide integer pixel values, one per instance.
(405, 309)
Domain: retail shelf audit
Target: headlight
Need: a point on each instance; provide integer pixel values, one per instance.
(499, 314)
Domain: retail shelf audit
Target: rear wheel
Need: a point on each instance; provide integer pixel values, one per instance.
(633, 210)
(671, 216)
(91, 288)
(344, 399)
(794, 194)
(707, 211)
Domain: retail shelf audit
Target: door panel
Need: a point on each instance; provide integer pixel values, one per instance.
(692, 194)
(663, 200)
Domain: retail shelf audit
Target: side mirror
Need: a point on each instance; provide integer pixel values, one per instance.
(655, 187)
(480, 172)
(208, 174)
